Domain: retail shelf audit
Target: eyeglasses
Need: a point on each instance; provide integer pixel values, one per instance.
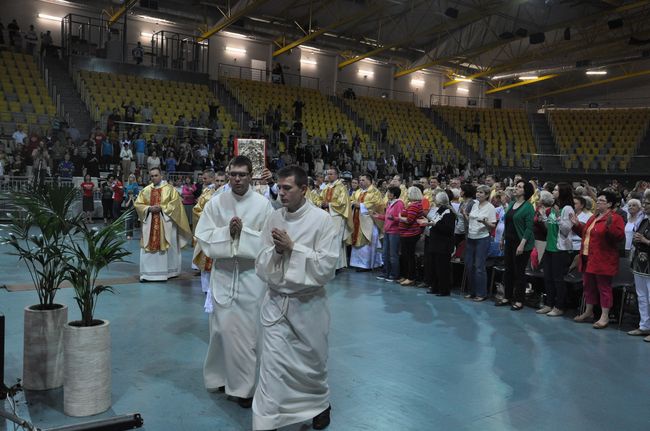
(239, 174)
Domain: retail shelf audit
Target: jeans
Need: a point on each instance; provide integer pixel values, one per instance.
(476, 251)
(556, 264)
(391, 255)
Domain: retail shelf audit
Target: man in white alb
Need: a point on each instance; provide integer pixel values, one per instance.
(229, 232)
(298, 256)
(165, 229)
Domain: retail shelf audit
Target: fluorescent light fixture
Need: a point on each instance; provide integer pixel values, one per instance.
(528, 77)
(236, 50)
(310, 48)
(146, 34)
(596, 72)
(463, 79)
(259, 19)
(154, 19)
(235, 35)
(307, 61)
(50, 17)
(462, 90)
(417, 82)
(366, 72)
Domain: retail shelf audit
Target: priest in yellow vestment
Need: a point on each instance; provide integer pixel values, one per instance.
(365, 233)
(336, 201)
(165, 229)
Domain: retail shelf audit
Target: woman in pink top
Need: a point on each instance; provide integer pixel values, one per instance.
(391, 234)
(187, 193)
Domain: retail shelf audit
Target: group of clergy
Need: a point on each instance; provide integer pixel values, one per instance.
(264, 272)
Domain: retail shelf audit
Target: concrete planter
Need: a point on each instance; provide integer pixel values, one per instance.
(43, 348)
(87, 369)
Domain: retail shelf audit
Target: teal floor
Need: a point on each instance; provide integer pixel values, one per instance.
(399, 360)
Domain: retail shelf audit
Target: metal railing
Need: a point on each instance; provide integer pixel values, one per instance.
(475, 102)
(377, 92)
(89, 36)
(265, 75)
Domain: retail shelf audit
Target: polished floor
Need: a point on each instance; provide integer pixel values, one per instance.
(399, 360)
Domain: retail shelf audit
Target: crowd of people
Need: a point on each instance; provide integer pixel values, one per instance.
(324, 224)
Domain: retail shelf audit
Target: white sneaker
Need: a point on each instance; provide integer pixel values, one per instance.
(545, 309)
(555, 312)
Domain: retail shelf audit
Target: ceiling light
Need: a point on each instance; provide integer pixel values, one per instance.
(366, 72)
(310, 48)
(307, 61)
(417, 82)
(235, 35)
(462, 90)
(154, 19)
(146, 34)
(259, 19)
(236, 50)
(596, 72)
(463, 80)
(528, 77)
(50, 17)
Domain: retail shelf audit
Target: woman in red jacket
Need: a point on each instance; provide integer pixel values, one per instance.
(599, 255)
(409, 234)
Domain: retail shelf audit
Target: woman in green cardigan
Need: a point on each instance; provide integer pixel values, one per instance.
(517, 242)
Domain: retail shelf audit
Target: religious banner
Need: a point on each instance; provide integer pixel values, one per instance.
(254, 149)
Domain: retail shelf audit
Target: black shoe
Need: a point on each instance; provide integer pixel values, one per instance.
(363, 270)
(443, 294)
(245, 403)
(322, 421)
(432, 292)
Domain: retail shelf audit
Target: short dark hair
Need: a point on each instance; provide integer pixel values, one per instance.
(299, 175)
(582, 200)
(367, 175)
(242, 161)
(220, 174)
(419, 186)
(154, 169)
(611, 197)
(469, 191)
(395, 191)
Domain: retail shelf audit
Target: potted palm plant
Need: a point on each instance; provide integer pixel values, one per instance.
(87, 342)
(42, 222)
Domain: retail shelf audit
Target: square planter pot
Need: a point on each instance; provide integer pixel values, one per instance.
(43, 347)
(87, 369)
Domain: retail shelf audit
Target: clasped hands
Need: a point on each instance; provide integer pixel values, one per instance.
(155, 209)
(281, 240)
(235, 227)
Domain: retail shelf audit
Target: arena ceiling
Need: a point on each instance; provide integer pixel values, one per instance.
(496, 41)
